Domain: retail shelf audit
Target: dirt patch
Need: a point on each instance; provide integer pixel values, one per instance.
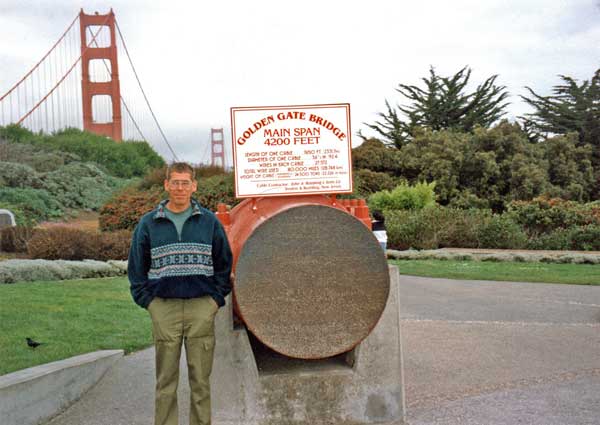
(85, 220)
(13, 255)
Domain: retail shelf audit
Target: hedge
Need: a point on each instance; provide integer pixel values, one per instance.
(15, 239)
(441, 254)
(13, 271)
(435, 227)
(439, 227)
(68, 243)
(545, 215)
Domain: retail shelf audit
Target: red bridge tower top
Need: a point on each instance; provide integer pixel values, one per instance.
(110, 88)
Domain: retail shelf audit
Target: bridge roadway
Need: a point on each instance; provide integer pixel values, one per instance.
(476, 352)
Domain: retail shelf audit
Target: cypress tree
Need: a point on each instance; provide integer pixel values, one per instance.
(443, 104)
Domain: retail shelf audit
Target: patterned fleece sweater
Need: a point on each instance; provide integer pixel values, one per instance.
(167, 265)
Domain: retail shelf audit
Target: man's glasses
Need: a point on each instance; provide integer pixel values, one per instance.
(184, 184)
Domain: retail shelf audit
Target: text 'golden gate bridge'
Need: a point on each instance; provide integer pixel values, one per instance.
(56, 94)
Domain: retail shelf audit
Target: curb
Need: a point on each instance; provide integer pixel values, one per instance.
(32, 396)
(559, 257)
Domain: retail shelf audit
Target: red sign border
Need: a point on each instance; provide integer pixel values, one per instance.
(311, 106)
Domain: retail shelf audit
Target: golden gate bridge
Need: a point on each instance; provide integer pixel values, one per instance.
(77, 84)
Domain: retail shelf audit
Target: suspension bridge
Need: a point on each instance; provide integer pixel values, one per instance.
(77, 84)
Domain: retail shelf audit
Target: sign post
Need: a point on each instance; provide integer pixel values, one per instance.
(291, 150)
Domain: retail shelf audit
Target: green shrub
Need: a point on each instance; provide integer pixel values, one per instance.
(19, 176)
(375, 156)
(38, 158)
(402, 230)
(414, 229)
(461, 227)
(404, 197)
(16, 133)
(367, 182)
(434, 227)
(585, 238)
(559, 239)
(36, 204)
(81, 186)
(501, 232)
(543, 215)
(75, 185)
(15, 239)
(439, 227)
(126, 159)
(44, 162)
(467, 200)
(216, 189)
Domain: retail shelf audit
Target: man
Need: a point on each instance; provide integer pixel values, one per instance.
(179, 269)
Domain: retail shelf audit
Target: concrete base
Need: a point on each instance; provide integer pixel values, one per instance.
(34, 395)
(253, 386)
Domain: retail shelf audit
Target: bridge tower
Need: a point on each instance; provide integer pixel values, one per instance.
(89, 89)
(216, 143)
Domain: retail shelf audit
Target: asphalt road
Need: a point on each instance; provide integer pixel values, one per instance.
(479, 352)
(475, 352)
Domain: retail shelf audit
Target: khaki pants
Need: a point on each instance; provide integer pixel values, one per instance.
(190, 321)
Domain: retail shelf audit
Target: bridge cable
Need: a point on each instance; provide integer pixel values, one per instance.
(61, 80)
(41, 60)
(123, 100)
(144, 93)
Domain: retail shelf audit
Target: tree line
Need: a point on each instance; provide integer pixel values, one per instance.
(458, 138)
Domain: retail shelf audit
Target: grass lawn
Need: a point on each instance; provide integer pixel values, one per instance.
(69, 318)
(580, 274)
(79, 316)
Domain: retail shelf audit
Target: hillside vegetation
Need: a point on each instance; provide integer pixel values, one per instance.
(49, 176)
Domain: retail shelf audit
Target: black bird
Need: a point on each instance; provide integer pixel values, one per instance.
(32, 343)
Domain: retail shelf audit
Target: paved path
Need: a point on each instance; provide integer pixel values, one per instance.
(480, 352)
(476, 352)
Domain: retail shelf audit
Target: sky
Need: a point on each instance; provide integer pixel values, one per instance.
(198, 59)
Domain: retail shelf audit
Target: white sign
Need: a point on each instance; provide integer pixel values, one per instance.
(291, 150)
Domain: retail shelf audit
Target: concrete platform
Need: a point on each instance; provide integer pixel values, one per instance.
(32, 396)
